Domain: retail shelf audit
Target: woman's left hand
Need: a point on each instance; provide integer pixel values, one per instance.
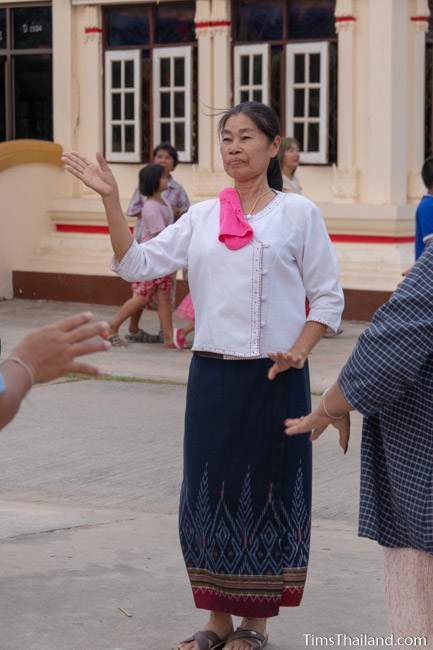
(316, 422)
(285, 360)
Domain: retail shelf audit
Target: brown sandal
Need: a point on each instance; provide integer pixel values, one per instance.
(254, 639)
(203, 638)
(142, 337)
(117, 341)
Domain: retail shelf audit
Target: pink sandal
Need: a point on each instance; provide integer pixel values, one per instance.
(179, 339)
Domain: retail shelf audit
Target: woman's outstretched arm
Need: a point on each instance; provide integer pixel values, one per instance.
(46, 354)
(387, 359)
(333, 409)
(391, 353)
(99, 178)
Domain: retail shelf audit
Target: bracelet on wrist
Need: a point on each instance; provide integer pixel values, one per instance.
(23, 365)
(332, 417)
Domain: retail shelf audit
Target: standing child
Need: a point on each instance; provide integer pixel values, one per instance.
(424, 212)
(156, 214)
(166, 156)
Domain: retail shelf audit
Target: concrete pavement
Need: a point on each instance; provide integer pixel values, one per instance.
(17, 317)
(89, 482)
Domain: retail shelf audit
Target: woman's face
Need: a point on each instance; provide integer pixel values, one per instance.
(164, 159)
(291, 157)
(245, 149)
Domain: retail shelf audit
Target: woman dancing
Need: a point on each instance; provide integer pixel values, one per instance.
(254, 254)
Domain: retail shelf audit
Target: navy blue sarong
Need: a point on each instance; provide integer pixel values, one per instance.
(245, 509)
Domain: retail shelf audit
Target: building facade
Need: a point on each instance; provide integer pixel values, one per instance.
(352, 80)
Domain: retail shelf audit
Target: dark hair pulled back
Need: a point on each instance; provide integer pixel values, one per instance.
(149, 179)
(266, 120)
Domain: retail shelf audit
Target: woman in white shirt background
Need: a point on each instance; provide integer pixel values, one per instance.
(289, 157)
(254, 254)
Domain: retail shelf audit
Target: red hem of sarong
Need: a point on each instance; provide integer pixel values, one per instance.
(256, 607)
(292, 598)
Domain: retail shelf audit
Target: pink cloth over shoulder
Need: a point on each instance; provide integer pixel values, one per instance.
(235, 231)
(155, 217)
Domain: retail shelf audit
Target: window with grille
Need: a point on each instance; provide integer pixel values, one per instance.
(266, 37)
(307, 99)
(26, 72)
(172, 98)
(122, 106)
(252, 73)
(153, 45)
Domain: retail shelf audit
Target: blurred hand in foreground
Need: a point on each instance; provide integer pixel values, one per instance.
(47, 354)
(51, 351)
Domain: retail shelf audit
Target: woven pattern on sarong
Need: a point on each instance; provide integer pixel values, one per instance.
(223, 544)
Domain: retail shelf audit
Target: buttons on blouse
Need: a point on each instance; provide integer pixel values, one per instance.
(263, 298)
(266, 245)
(262, 324)
(264, 273)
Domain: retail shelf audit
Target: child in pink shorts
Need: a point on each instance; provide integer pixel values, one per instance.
(156, 214)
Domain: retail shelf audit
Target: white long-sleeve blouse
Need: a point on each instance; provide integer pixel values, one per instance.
(251, 301)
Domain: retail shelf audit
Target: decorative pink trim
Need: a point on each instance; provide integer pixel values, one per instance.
(93, 30)
(371, 239)
(93, 230)
(345, 19)
(420, 19)
(340, 239)
(213, 23)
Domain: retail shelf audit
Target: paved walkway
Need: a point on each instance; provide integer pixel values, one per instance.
(89, 482)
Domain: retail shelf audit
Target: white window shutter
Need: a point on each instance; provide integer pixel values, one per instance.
(122, 106)
(172, 99)
(251, 73)
(307, 92)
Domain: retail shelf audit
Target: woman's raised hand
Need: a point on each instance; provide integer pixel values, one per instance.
(316, 422)
(96, 175)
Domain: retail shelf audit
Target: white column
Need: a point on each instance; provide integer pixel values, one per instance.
(205, 84)
(387, 116)
(213, 33)
(419, 26)
(222, 65)
(90, 91)
(63, 115)
(345, 175)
